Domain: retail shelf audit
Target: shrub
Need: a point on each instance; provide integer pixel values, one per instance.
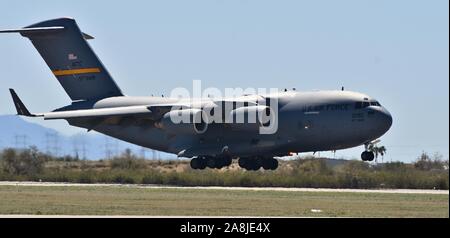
(425, 162)
(394, 166)
(84, 178)
(123, 179)
(153, 179)
(314, 166)
(127, 161)
(26, 162)
(425, 173)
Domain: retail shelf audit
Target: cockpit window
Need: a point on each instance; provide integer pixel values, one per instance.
(359, 105)
(375, 103)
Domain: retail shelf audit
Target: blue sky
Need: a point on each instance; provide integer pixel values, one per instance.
(395, 51)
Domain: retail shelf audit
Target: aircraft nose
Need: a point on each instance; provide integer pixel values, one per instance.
(380, 121)
(385, 119)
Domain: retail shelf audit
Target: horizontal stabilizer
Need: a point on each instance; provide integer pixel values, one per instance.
(40, 30)
(20, 107)
(49, 29)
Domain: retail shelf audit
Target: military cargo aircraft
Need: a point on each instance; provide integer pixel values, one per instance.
(304, 121)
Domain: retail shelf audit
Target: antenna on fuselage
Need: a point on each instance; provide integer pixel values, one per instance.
(342, 88)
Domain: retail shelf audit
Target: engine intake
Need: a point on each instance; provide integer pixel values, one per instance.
(250, 118)
(184, 121)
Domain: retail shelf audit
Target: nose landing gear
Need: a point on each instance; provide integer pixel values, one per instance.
(367, 156)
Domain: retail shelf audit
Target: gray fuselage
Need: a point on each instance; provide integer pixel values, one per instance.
(307, 121)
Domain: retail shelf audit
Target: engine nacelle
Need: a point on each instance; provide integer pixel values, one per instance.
(250, 118)
(184, 121)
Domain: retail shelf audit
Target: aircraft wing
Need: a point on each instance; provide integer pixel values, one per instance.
(153, 112)
(249, 99)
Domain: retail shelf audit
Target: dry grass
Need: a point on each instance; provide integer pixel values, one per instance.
(192, 202)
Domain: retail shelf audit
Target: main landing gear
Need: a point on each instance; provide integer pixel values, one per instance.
(255, 163)
(202, 162)
(248, 163)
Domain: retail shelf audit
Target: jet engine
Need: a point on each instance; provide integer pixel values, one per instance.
(250, 118)
(183, 121)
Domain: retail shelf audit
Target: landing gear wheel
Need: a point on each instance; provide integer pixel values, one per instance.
(227, 161)
(266, 164)
(202, 163)
(271, 164)
(219, 163)
(193, 163)
(274, 164)
(196, 163)
(211, 162)
(367, 156)
(255, 164)
(250, 163)
(243, 163)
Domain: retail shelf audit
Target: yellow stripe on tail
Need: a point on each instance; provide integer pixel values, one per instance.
(75, 71)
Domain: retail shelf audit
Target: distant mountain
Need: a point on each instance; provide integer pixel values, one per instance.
(17, 133)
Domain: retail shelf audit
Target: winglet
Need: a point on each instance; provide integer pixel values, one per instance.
(20, 107)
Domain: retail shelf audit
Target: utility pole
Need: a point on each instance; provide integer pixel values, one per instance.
(47, 143)
(107, 146)
(76, 154)
(52, 146)
(83, 148)
(142, 150)
(20, 141)
(154, 155)
(116, 147)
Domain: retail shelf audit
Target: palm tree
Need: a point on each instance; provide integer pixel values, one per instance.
(378, 150)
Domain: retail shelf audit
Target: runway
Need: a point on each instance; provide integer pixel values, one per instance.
(124, 216)
(150, 186)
